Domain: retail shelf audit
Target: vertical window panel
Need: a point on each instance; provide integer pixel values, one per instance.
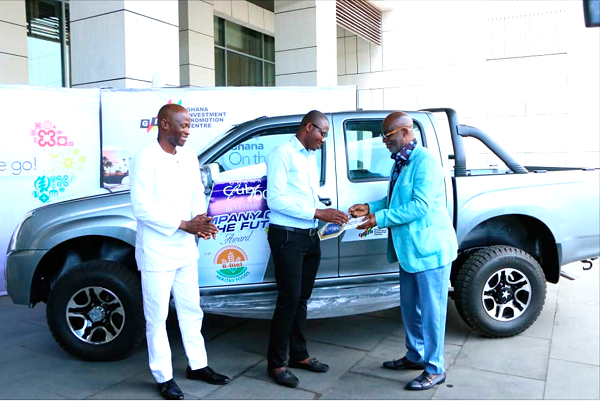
(243, 71)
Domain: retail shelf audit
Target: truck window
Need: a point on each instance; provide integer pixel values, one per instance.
(254, 149)
(368, 159)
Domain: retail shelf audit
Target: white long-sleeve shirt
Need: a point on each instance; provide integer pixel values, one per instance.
(165, 189)
(292, 185)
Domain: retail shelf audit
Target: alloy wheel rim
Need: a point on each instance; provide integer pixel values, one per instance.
(506, 295)
(95, 315)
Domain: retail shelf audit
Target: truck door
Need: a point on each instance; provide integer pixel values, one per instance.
(248, 153)
(363, 168)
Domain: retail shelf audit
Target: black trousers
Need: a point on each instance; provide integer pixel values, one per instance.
(296, 257)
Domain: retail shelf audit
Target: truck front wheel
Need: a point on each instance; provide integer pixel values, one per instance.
(500, 291)
(95, 311)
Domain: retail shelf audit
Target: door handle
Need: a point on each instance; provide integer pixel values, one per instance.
(326, 201)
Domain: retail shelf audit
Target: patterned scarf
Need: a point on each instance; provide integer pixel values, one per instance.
(402, 159)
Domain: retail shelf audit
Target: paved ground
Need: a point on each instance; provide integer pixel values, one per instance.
(557, 358)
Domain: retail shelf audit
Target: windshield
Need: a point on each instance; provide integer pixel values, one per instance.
(218, 138)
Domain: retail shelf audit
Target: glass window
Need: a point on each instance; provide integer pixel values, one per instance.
(254, 150)
(368, 158)
(243, 57)
(243, 39)
(269, 48)
(242, 70)
(269, 75)
(219, 31)
(219, 67)
(47, 27)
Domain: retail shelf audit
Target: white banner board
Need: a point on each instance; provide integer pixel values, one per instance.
(50, 151)
(129, 116)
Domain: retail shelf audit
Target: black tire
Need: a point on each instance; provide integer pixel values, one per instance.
(95, 311)
(500, 291)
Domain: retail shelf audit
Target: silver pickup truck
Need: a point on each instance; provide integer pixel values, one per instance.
(516, 226)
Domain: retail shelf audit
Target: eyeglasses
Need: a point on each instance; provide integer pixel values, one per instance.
(390, 133)
(323, 133)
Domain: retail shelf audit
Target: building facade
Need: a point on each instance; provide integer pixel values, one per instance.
(526, 72)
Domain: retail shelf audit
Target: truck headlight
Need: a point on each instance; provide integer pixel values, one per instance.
(12, 245)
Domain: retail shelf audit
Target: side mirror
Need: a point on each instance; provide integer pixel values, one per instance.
(209, 173)
(591, 13)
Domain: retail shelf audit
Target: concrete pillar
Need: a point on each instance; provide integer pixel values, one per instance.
(305, 43)
(196, 43)
(124, 43)
(14, 68)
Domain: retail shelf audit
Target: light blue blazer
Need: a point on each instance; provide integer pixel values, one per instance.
(420, 232)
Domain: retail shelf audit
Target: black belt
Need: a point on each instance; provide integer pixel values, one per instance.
(310, 232)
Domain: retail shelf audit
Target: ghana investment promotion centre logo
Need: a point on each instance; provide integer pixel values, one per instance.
(231, 259)
(200, 118)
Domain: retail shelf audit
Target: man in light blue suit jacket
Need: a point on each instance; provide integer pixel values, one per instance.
(421, 238)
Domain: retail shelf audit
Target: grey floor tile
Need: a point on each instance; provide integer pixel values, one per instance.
(543, 326)
(357, 386)
(213, 325)
(27, 367)
(471, 384)
(13, 313)
(251, 336)
(373, 367)
(585, 288)
(517, 355)
(576, 333)
(339, 359)
(568, 380)
(457, 330)
(366, 321)
(140, 387)
(245, 388)
(390, 313)
(339, 333)
(391, 347)
(225, 357)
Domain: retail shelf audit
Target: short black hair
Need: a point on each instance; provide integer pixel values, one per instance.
(311, 116)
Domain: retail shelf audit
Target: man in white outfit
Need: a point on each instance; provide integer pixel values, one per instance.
(167, 198)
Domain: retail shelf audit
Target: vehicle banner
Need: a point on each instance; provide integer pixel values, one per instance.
(129, 116)
(240, 253)
(49, 153)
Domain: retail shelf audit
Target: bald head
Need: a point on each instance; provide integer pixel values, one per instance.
(167, 111)
(397, 119)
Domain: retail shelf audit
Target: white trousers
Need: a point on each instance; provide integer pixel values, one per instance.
(156, 289)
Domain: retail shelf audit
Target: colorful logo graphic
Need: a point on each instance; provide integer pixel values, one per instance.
(65, 158)
(47, 135)
(231, 260)
(366, 233)
(48, 187)
(152, 123)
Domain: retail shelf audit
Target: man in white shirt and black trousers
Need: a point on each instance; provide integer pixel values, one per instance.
(292, 186)
(167, 198)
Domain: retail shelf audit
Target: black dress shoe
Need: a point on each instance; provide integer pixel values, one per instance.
(426, 381)
(285, 378)
(312, 365)
(206, 374)
(170, 390)
(403, 364)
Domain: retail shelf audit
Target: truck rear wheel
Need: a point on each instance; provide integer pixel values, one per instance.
(95, 311)
(500, 291)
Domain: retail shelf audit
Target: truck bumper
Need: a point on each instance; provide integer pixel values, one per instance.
(20, 267)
